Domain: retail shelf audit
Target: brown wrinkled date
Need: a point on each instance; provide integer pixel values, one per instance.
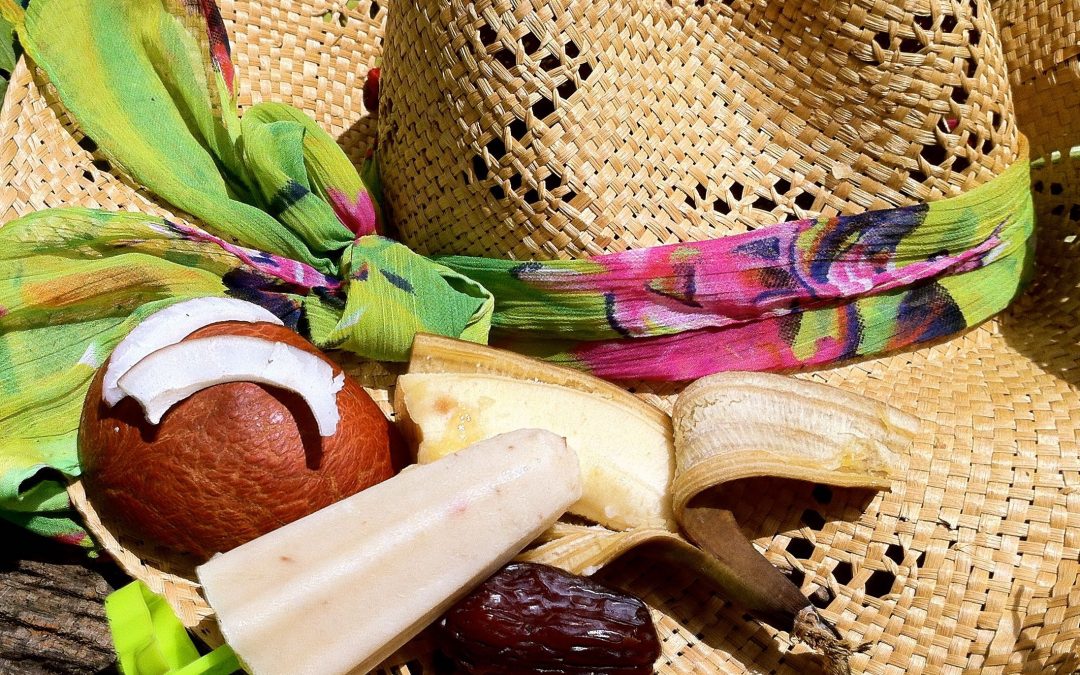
(531, 618)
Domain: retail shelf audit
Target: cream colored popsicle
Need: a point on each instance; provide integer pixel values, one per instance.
(338, 591)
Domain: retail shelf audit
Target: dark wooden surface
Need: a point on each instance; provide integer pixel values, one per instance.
(52, 616)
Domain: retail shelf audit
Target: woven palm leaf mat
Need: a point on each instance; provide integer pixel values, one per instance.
(970, 564)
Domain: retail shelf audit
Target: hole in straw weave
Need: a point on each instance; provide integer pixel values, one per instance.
(569, 196)
(895, 552)
(542, 108)
(549, 63)
(1056, 188)
(736, 191)
(960, 163)
(532, 196)
(552, 181)
(959, 94)
(910, 45)
(465, 178)
(974, 37)
(480, 167)
(585, 71)
(971, 68)
(515, 182)
(805, 201)
(487, 35)
(102, 165)
(373, 10)
(935, 154)
(880, 583)
(921, 560)
(496, 148)
(948, 24)
(917, 175)
(497, 192)
(995, 119)
(88, 144)
(566, 89)
(571, 49)
(782, 186)
(883, 40)
(518, 129)
(842, 573)
(800, 548)
(530, 42)
(720, 206)
(988, 146)
(701, 191)
(764, 203)
(1058, 210)
(974, 4)
(1038, 186)
(505, 57)
(689, 201)
(925, 22)
(88, 176)
(1074, 212)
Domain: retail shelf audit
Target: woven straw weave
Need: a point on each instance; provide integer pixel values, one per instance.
(969, 565)
(562, 127)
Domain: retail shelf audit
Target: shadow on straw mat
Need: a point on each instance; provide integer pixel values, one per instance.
(703, 618)
(1043, 323)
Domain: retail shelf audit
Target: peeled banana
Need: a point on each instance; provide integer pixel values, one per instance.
(456, 393)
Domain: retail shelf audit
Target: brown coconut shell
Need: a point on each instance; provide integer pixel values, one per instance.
(231, 462)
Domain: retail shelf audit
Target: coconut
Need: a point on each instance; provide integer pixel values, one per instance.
(233, 460)
(164, 378)
(171, 325)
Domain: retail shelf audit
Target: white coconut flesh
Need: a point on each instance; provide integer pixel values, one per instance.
(171, 374)
(171, 325)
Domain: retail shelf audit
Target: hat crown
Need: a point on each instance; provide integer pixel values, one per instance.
(572, 128)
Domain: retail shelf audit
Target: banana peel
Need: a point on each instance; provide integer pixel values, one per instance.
(731, 426)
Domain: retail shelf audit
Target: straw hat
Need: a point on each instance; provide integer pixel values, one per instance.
(686, 120)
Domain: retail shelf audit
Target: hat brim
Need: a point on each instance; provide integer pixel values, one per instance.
(970, 563)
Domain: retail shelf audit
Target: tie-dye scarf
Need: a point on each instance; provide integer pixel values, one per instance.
(287, 222)
(797, 294)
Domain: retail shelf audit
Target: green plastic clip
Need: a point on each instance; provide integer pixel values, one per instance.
(150, 640)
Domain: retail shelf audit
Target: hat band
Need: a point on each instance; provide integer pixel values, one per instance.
(801, 293)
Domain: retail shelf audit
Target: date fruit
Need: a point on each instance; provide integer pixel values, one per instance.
(530, 618)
